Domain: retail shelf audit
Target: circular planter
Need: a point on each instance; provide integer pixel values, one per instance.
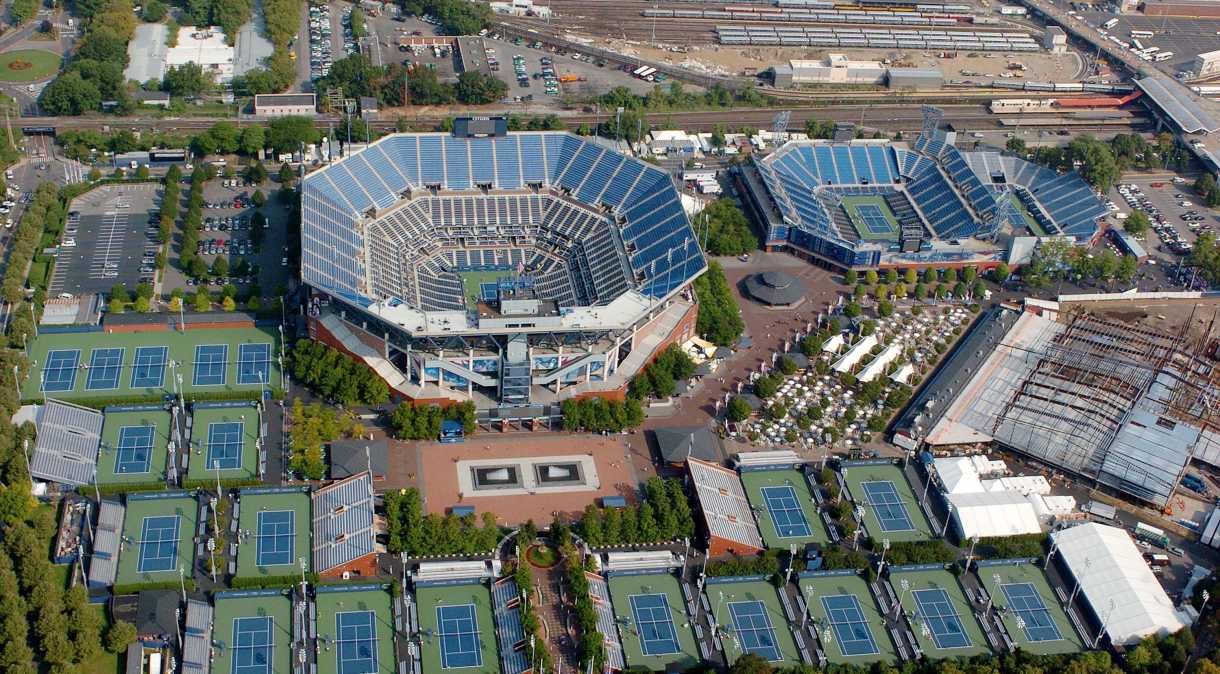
(542, 556)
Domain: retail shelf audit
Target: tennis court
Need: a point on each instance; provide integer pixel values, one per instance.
(146, 363)
(456, 627)
(1020, 590)
(942, 619)
(224, 436)
(653, 623)
(891, 508)
(273, 531)
(845, 604)
(785, 508)
(754, 621)
(252, 632)
(355, 630)
(158, 534)
(134, 445)
(871, 217)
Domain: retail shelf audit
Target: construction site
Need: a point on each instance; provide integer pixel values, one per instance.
(1116, 389)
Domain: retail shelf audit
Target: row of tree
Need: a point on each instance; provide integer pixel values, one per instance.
(719, 319)
(1058, 258)
(313, 426)
(660, 378)
(335, 376)
(663, 515)
(95, 73)
(357, 76)
(44, 207)
(598, 415)
(416, 534)
(632, 123)
(416, 421)
(456, 17)
(591, 647)
(725, 229)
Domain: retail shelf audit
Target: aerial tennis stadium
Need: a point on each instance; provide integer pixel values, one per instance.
(876, 203)
(510, 269)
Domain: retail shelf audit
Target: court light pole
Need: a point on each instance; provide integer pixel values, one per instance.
(995, 577)
(906, 587)
(182, 582)
(948, 518)
(1076, 590)
(855, 537)
(1104, 623)
(885, 547)
(974, 540)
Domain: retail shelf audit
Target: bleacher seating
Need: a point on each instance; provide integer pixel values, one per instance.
(940, 204)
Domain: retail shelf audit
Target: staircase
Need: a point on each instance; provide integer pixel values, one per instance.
(515, 372)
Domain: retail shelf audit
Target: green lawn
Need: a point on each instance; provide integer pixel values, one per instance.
(104, 662)
(28, 65)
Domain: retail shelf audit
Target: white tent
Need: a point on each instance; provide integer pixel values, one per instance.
(1117, 583)
(958, 475)
(991, 514)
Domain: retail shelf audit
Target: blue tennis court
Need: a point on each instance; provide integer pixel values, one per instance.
(158, 544)
(459, 634)
(1024, 600)
(891, 513)
(253, 363)
(210, 362)
(253, 645)
(148, 370)
(654, 624)
(105, 368)
(134, 452)
(850, 626)
(59, 372)
(276, 537)
(224, 445)
(786, 511)
(874, 218)
(488, 292)
(937, 611)
(357, 642)
(754, 630)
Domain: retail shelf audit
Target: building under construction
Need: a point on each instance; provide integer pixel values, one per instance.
(1119, 389)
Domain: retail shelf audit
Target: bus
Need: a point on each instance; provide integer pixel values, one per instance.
(1151, 535)
(1137, 45)
(1110, 24)
(639, 70)
(1141, 33)
(1163, 56)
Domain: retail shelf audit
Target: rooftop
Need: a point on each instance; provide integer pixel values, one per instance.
(343, 522)
(722, 499)
(67, 444)
(1186, 109)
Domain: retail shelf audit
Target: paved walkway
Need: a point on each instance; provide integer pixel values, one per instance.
(554, 614)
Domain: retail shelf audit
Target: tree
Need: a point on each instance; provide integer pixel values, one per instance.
(849, 277)
(751, 663)
(719, 318)
(1137, 224)
(738, 410)
(257, 173)
(287, 134)
(258, 198)
(475, 88)
(1016, 146)
(1000, 273)
(187, 79)
(727, 229)
(252, 140)
(70, 94)
(154, 11)
(202, 301)
(228, 304)
(120, 635)
(286, 175)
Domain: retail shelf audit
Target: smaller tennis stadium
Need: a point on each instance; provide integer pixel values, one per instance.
(273, 532)
(355, 630)
(751, 620)
(135, 445)
(224, 437)
(79, 365)
(940, 616)
(252, 632)
(655, 629)
(871, 217)
(784, 505)
(456, 628)
(1026, 603)
(158, 534)
(891, 508)
(842, 607)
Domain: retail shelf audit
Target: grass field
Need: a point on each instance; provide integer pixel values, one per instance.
(938, 579)
(755, 481)
(231, 606)
(103, 661)
(854, 475)
(815, 588)
(109, 469)
(471, 281)
(1028, 573)
(28, 65)
(199, 466)
(722, 597)
(254, 501)
(332, 600)
(621, 590)
(851, 205)
(181, 360)
(154, 505)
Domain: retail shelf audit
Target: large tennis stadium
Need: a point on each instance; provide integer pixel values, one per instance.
(503, 268)
(871, 203)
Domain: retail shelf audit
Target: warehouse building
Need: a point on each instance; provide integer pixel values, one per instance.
(838, 69)
(1055, 40)
(285, 105)
(915, 78)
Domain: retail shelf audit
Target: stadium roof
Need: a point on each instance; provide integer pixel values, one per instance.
(1000, 513)
(722, 499)
(958, 475)
(68, 439)
(775, 287)
(197, 638)
(343, 522)
(1112, 573)
(1182, 106)
(104, 562)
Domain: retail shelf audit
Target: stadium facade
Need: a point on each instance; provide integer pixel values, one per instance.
(511, 269)
(875, 203)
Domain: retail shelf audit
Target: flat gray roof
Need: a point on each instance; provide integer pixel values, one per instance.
(1183, 107)
(284, 99)
(104, 562)
(68, 439)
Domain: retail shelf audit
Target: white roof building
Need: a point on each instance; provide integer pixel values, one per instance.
(208, 48)
(1024, 484)
(1117, 583)
(877, 367)
(991, 514)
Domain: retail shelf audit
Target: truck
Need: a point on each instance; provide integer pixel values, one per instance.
(646, 73)
(1157, 559)
(1194, 483)
(1100, 510)
(1110, 24)
(1151, 535)
(638, 72)
(1163, 56)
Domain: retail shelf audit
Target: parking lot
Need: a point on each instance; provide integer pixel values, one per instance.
(110, 237)
(1183, 36)
(1178, 215)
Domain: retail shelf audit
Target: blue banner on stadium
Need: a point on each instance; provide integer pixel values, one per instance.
(361, 587)
(246, 594)
(653, 571)
(221, 404)
(255, 491)
(159, 495)
(918, 567)
(771, 466)
(1016, 561)
(830, 573)
(149, 407)
(848, 463)
(469, 580)
(717, 580)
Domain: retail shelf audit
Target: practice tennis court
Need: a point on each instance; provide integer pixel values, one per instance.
(941, 617)
(59, 373)
(890, 506)
(652, 620)
(224, 437)
(356, 642)
(225, 442)
(148, 369)
(274, 532)
(1024, 600)
(936, 610)
(754, 630)
(458, 631)
(158, 543)
(1028, 607)
(253, 645)
(850, 625)
(891, 512)
(210, 364)
(755, 618)
(276, 537)
(134, 451)
(785, 509)
(253, 364)
(105, 369)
